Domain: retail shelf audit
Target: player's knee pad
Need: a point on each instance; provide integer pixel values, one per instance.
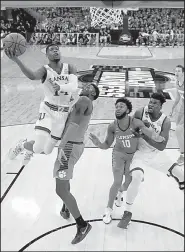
(39, 144)
(137, 174)
(49, 146)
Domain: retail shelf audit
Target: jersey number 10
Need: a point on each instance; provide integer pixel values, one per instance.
(126, 143)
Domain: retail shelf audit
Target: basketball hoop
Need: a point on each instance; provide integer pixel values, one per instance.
(104, 16)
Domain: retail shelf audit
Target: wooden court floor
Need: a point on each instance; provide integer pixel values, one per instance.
(30, 219)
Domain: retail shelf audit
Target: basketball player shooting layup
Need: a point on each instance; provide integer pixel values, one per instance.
(123, 151)
(70, 150)
(60, 82)
(152, 142)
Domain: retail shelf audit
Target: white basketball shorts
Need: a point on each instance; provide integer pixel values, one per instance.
(52, 121)
(157, 160)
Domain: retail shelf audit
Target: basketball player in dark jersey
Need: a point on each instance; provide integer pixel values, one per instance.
(123, 150)
(152, 140)
(69, 151)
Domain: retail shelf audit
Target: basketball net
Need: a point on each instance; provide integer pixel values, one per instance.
(105, 16)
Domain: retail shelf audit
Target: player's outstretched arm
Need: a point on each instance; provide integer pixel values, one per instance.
(109, 138)
(73, 81)
(164, 134)
(37, 75)
(79, 109)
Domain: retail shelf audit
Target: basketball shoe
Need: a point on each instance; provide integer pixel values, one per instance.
(119, 199)
(180, 160)
(180, 183)
(125, 220)
(17, 149)
(65, 213)
(27, 156)
(107, 217)
(81, 233)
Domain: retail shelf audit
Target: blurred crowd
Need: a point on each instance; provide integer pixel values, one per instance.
(162, 27)
(156, 27)
(21, 22)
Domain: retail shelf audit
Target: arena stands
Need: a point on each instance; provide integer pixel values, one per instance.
(161, 27)
(74, 26)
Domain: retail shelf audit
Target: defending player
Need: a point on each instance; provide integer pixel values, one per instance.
(152, 142)
(178, 111)
(69, 151)
(60, 83)
(123, 150)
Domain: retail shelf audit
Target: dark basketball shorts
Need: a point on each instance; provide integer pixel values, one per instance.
(73, 152)
(121, 162)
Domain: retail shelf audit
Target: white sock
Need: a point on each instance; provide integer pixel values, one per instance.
(128, 207)
(120, 194)
(108, 210)
(28, 151)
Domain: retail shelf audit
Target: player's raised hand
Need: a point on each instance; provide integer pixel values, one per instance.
(11, 54)
(94, 139)
(61, 155)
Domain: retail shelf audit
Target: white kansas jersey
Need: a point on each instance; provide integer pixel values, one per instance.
(57, 98)
(156, 126)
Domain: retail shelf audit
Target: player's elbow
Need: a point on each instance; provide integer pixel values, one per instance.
(106, 145)
(162, 146)
(32, 77)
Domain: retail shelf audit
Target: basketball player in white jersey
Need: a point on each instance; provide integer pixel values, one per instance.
(152, 142)
(59, 83)
(177, 112)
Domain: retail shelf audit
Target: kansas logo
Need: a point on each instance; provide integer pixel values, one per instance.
(60, 78)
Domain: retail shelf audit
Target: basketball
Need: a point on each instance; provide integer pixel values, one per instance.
(16, 42)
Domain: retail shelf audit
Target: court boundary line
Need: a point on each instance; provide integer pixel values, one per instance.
(94, 220)
(150, 52)
(11, 173)
(11, 184)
